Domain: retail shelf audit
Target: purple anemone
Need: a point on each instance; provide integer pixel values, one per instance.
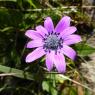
(53, 43)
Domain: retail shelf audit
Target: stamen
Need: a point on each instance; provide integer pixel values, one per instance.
(52, 42)
(46, 35)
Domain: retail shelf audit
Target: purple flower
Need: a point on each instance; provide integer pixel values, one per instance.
(53, 43)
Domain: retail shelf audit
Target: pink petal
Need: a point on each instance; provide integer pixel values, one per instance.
(34, 43)
(63, 24)
(33, 34)
(68, 31)
(49, 61)
(40, 29)
(68, 51)
(37, 53)
(48, 24)
(59, 62)
(72, 39)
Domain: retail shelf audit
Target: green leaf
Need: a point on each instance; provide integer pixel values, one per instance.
(45, 86)
(72, 91)
(31, 3)
(54, 91)
(59, 78)
(17, 73)
(84, 49)
(9, 0)
(6, 29)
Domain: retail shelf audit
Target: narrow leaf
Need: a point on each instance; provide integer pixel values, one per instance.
(17, 73)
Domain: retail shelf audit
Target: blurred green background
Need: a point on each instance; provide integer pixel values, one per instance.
(16, 16)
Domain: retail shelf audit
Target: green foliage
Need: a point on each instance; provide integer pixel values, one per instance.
(16, 16)
(16, 72)
(84, 49)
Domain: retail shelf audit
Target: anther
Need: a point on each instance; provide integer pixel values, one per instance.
(52, 42)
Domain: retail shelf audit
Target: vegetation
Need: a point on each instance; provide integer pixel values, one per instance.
(20, 78)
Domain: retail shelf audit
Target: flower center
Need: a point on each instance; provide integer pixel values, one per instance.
(52, 42)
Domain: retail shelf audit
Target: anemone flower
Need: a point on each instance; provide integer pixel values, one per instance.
(53, 43)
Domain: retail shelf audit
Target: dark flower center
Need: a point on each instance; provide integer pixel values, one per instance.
(52, 42)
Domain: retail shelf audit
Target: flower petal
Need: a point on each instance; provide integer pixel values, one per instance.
(49, 61)
(63, 24)
(37, 53)
(40, 29)
(33, 34)
(59, 62)
(34, 43)
(68, 51)
(48, 24)
(68, 31)
(72, 39)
